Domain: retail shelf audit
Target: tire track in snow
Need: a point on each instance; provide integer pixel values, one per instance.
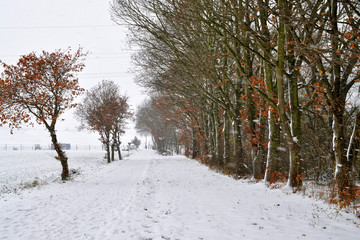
(139, 210)
(150, 209)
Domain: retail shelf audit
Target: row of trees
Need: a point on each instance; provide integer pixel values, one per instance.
(152, 120)
(40, 87)
(262, 86)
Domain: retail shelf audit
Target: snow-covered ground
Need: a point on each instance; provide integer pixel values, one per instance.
(21, 169)
(148, 196)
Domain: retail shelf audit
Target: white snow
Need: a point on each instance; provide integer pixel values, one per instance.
(148, 196)
(19, 169)
(282, 149)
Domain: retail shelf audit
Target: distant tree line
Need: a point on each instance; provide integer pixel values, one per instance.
(136, 142)
(151, 120)
(253, 87)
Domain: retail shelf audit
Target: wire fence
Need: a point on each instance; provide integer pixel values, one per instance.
(40, 147)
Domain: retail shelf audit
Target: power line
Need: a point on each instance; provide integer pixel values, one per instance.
(99, 58)
(59, 27)
(106, 76)
(101, 73)
(129, 50)
(126, 51)
(92, 58)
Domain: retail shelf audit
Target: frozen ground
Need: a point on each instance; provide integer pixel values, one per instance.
(20, 169)
(153, 197)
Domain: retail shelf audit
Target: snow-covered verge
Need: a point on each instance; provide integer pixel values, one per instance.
(153, 197)
(26, 169)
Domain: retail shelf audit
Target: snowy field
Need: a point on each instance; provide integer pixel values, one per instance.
(148, 197)
(21, 169)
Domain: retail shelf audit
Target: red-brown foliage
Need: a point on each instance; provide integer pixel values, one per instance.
(41, 86)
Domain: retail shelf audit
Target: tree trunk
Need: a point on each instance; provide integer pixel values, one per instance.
(343, 166)
(187, 150)
(119, 151)
(259, 151)
(218, 140)
(226, 130)
(261, 147)
(195, 145)
(61, 155)
(107, 145)
(292, 143)
(112, 152)
(272, 159)
(250, 108)
(117, 142)
(296, 168)
(353, 149)
(206, 148)
(212, 135)
(238, 150)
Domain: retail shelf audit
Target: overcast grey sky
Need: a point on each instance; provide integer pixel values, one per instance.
(36, 25)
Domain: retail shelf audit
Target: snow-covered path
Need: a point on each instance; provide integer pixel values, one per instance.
(154, 197)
